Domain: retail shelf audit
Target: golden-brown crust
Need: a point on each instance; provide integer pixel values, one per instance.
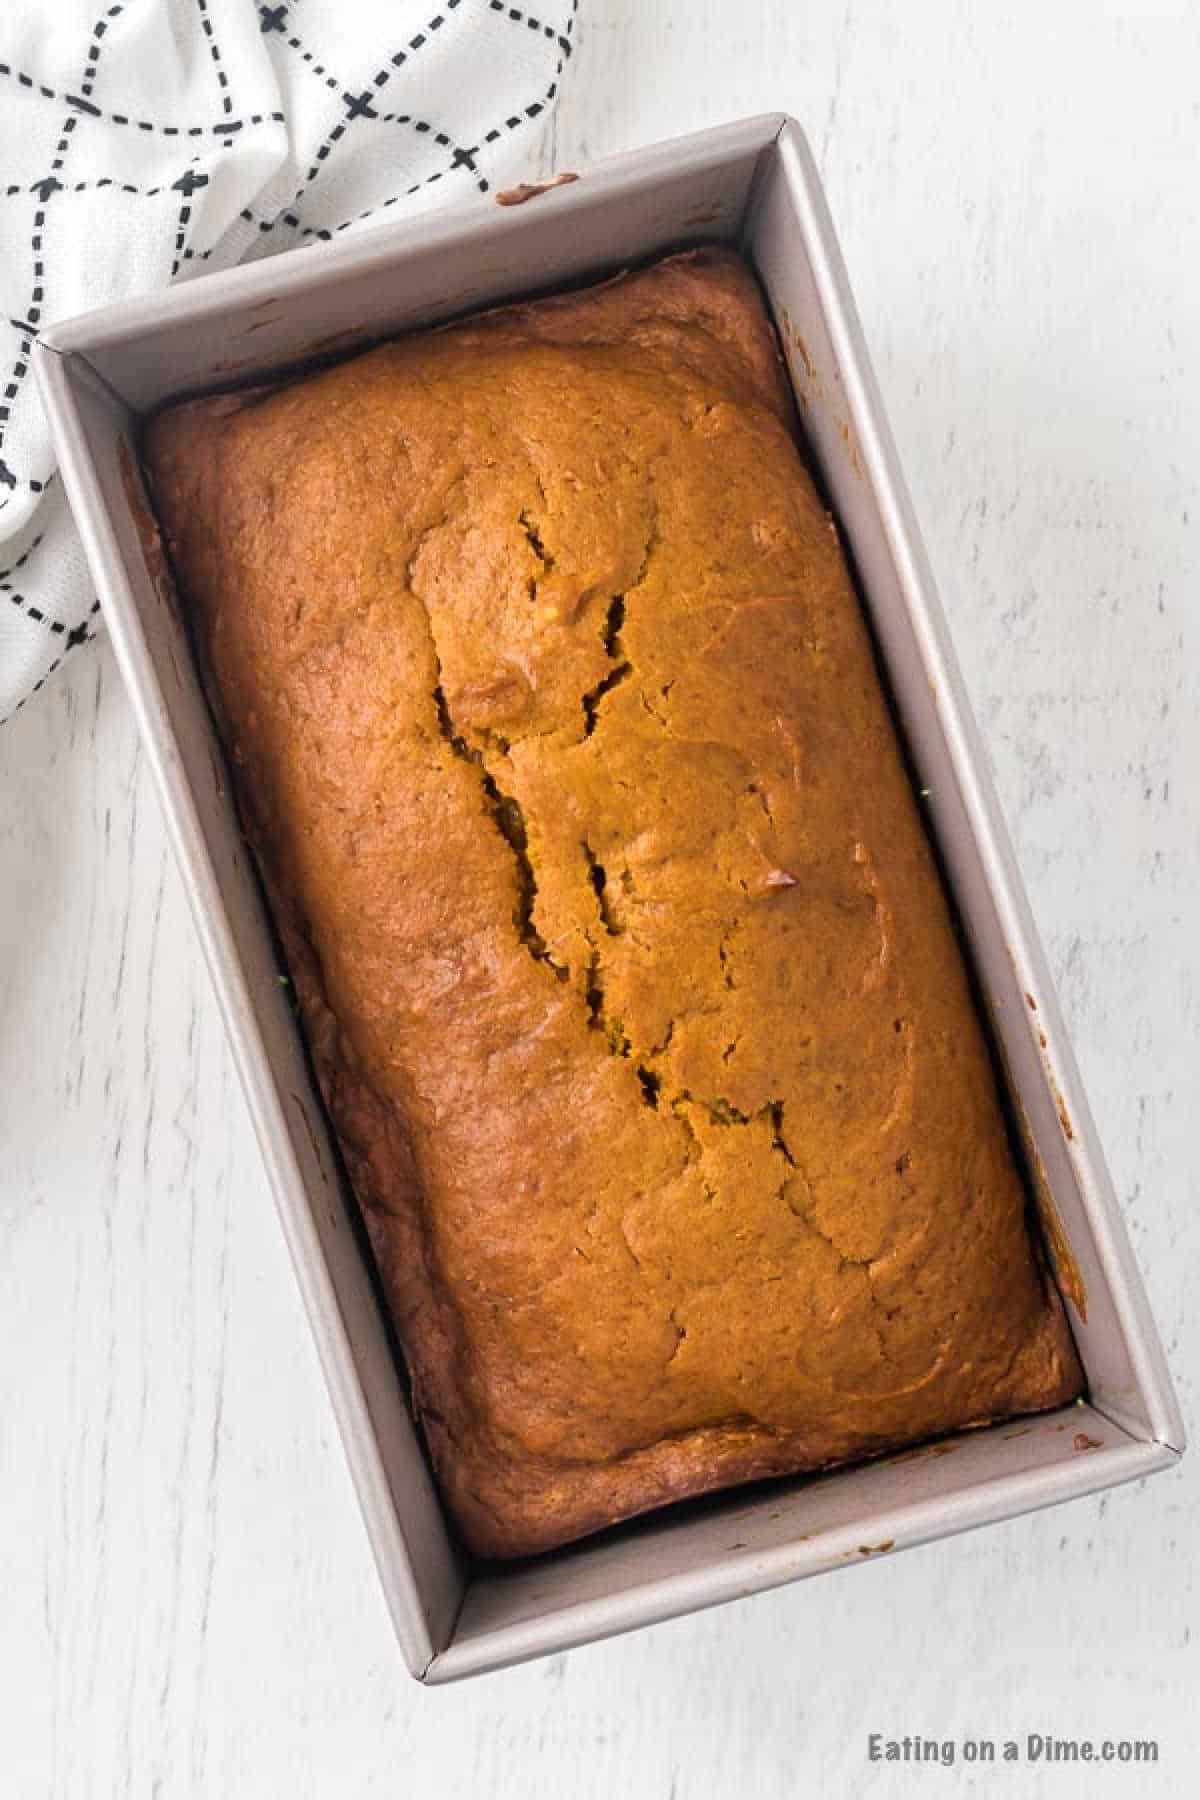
(625, 965)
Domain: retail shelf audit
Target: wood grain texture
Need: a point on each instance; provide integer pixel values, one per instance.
(188, 1604)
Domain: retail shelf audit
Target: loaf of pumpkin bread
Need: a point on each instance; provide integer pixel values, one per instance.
(619, 947)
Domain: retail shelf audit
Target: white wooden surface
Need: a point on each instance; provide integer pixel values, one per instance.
(187, 1604)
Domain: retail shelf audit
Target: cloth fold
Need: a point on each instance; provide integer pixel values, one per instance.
(147, 140)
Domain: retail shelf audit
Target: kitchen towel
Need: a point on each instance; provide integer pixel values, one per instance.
(149, 140)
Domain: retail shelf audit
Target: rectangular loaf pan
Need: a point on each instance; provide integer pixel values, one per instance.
(752, 184)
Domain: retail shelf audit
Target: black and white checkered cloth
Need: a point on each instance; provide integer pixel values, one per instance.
(145, 140)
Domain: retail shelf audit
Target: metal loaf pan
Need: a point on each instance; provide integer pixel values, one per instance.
(753, 184)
